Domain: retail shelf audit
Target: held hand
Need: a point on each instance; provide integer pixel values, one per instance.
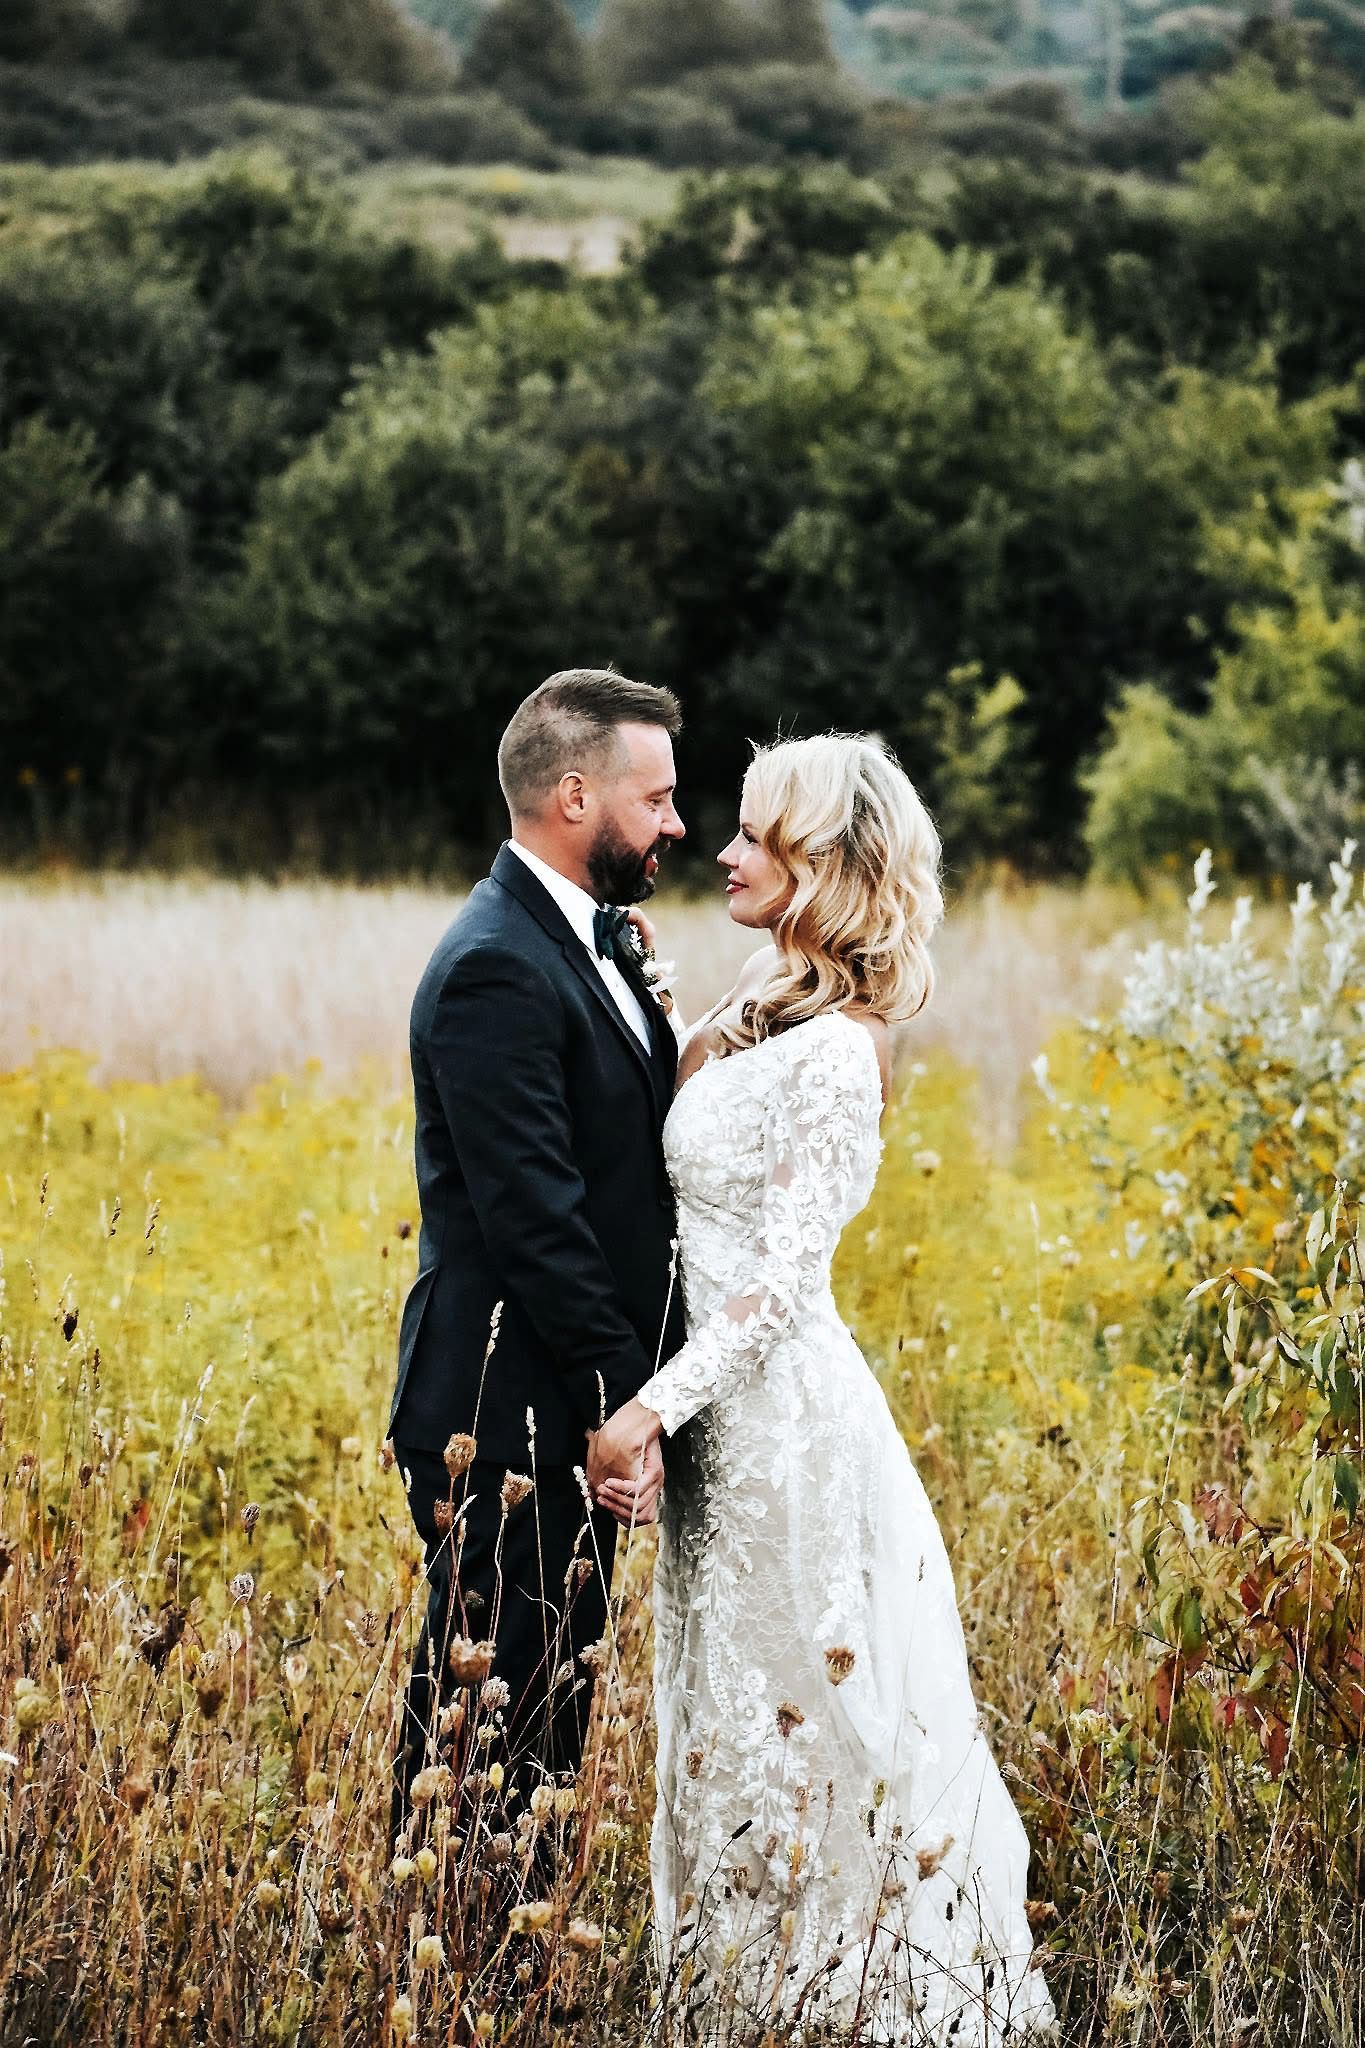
(635, 1502)
(617, 1451)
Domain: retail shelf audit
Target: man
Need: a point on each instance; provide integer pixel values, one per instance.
(543, 1069)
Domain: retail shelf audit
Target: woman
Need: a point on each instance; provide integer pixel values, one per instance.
(832, 1840)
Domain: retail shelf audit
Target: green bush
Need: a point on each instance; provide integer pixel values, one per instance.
(296, 45)
(530, 51)
(88, 581)
(1288, 684)
(764, 228)
(471, 128)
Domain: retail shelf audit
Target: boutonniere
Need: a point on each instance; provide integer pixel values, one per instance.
(658, 975)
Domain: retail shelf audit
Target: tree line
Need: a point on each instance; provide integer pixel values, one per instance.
(1053, 479)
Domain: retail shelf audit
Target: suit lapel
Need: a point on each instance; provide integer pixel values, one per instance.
(514, 876)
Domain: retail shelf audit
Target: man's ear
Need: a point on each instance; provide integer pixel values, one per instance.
(572, 797)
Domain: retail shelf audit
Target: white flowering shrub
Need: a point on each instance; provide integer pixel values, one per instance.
(1277, 1037)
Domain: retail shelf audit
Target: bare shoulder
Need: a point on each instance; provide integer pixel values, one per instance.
(879, 1032)
(754, 973)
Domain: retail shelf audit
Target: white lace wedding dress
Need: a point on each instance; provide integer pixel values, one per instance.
(832, 1842)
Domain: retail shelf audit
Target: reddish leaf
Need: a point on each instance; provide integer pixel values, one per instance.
(1275, 1742)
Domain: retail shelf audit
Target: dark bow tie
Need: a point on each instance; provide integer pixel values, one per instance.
(609, 934)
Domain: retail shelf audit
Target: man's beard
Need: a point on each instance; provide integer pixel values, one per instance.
(617, 871)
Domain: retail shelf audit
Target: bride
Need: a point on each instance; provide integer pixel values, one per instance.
(833, 1847)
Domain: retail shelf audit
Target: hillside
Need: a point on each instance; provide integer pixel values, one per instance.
(724, 85)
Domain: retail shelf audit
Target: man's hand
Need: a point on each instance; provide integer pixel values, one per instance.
(625, 1464)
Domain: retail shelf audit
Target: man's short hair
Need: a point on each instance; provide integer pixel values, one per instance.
(570, 722)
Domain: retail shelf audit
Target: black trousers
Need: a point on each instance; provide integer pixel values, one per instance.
(534, 1580)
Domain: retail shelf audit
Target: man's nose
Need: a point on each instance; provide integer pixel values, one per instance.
(673, 826)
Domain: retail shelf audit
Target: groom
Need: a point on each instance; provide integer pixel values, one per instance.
(543, 1068)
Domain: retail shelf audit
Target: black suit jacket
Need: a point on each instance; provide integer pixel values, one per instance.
(541, 1177)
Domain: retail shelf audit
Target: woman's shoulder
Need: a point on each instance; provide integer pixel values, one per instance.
(754, 973)
(854, 1029)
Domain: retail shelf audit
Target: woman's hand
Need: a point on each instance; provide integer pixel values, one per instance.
(625, 1465)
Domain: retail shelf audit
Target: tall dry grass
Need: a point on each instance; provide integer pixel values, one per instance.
(239, 982)
(209, 1589)
(209, 1586)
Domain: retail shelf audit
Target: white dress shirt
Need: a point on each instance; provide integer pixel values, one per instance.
(578, 907)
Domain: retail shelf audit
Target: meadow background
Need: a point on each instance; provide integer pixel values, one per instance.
(988, 375)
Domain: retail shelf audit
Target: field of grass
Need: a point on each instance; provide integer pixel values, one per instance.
(240, 982)
(582, 217)
(208, 1583)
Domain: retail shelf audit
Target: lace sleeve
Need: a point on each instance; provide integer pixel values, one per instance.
(821, 1147)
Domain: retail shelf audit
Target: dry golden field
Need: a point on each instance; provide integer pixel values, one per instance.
(208, 1583)
(240, 982)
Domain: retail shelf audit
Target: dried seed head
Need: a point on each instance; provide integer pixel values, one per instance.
(496, 1693)
(295, 1668)
(443, 1515)
(249, 1517)
(401, 2018)
(137, 1789)
(470, 1662)
(402, 1868)
(500, 1848)
(929, 1860)
(531, 1918)
(428, 1784)
(583, 1934)
(694, 1763)
(210, 1686)
(789, 1716)
(542, 1802)
(839, 1661)
(243, 1588)
(459, 1453)
(515, 1488)
(425, 1860)
(429, 1953)
(566, 1801)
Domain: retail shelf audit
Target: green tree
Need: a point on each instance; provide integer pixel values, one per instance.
(1288, 687)
(88, 579)
(295, 44)
(794, 32)
(431, 555)
(60, 29)
(654, 42)
(528, 50)
(939, 474)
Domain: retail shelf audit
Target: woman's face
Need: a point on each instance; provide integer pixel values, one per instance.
(757, 887)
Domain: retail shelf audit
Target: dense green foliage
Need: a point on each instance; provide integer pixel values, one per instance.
(720, 83)
(1046, 476)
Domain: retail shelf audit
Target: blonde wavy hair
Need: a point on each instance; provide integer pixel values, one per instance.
(841, 817)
